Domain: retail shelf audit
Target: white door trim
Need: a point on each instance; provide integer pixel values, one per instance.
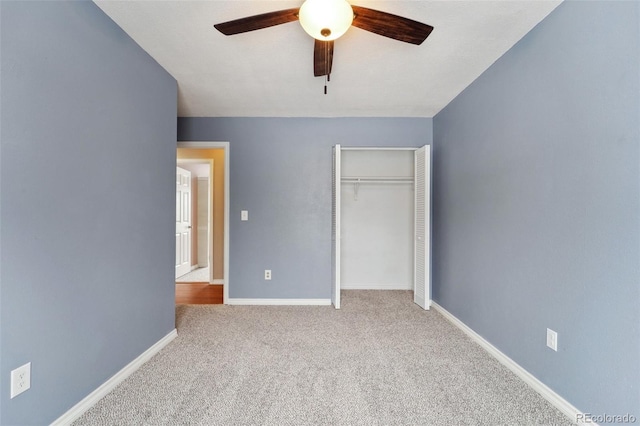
(225, 146)
(336, 231)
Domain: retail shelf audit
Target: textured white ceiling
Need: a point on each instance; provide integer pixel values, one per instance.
(269, 72)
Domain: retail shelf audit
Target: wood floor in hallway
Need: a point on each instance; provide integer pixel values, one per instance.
(200, 293)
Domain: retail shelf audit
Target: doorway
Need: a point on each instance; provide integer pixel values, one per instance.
(196, 203)
(212, 226)
(381, 220)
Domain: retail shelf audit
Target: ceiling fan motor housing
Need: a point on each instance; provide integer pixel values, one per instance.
(326, 19)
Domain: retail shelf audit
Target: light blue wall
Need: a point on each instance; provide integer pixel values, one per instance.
(87, 174)
(537, 204)
(280, 172)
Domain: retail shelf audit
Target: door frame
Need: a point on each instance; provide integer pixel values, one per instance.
(224, 146)
(336, 193)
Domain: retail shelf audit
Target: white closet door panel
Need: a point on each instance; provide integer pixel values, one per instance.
(335, 228)
(422, 275)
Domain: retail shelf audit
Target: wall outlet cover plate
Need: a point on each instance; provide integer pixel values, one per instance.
(20, 379)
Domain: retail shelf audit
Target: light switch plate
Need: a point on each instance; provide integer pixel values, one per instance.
(552, 339)
(244, 215)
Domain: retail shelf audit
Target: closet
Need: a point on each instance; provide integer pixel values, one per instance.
(381, 220)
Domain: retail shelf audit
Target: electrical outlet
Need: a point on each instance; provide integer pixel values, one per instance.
(20, 379)
(552, 339)
(267, 274)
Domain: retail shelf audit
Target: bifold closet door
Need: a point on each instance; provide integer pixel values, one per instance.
(422, 191)
(335, 229)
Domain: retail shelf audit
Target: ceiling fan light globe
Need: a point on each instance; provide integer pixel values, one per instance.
(326, 19)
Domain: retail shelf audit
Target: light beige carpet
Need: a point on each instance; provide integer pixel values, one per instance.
(380, 360)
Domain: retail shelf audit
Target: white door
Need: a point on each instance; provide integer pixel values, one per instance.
(183, 221)
(335, 229)
(422, 250)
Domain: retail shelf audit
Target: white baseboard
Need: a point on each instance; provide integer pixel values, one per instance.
(218, 281)
(376, 286)
(90, 400)
(547, 393)
(280, 302)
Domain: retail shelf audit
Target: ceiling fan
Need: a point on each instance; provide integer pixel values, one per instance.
(326, 20)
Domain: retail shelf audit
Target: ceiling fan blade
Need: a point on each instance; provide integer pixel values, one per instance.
(392, 26)
(257, 22)
(322, 57)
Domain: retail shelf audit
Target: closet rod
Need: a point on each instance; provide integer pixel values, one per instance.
(375, 148)
(381, 179)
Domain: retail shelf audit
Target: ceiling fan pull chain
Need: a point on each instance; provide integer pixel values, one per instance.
(326, 61)
(326, 65)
